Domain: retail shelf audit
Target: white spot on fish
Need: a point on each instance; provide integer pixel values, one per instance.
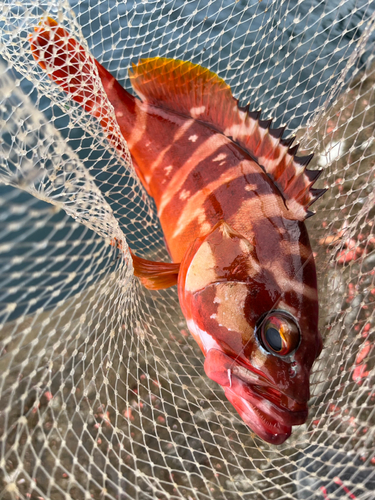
(217, 300)
(120, 114)
(220, 157)
(184, 194)
(138, 130)
(231, 312)
(204, 339)
(111, 84)
(199, 110)
(205, 227)
(194, 206)
(258, 358)
(180, 132)
(206, 149)
(193, 138)
(168, 169)
(213, 316)
(201, 217)
(202, 269)
(250, 187)
(241, 130)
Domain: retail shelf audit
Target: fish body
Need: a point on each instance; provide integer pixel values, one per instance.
(232, 198)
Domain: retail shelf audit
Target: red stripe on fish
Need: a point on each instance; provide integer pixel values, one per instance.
(231, 196)
(194, 91)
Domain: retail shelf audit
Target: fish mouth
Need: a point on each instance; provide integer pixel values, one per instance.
(268, 412)
(268, 420)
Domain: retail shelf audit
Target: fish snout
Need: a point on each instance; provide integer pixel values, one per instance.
(263, 407)
(295, 387)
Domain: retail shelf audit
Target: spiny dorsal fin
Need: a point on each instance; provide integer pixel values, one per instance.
(191, 90)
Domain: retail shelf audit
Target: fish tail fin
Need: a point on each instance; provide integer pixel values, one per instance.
(66, 63)
(75, 71)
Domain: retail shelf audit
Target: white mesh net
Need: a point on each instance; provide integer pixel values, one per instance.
(103, 393)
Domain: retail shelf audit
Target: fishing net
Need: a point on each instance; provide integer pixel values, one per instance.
(103, 392)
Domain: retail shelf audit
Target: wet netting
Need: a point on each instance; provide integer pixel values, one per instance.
(103, 392)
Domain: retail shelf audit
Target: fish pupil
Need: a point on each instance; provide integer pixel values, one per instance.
(274, 339)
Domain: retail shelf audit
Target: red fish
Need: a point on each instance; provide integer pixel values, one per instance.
(232, 198)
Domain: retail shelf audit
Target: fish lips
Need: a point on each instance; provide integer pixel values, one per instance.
(256, 401)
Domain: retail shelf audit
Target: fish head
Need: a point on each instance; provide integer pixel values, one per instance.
(259, 341)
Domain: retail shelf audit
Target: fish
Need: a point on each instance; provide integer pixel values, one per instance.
(232, 197)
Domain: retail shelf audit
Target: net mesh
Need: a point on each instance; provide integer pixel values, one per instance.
(103, 392)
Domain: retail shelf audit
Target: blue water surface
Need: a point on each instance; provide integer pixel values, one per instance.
(276, 54)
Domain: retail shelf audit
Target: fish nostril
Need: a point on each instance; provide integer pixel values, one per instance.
(292, 370)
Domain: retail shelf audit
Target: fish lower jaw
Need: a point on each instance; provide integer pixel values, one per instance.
(263, 412)
(270, 429)
(255, 398)
(296, 415)
(267, 406)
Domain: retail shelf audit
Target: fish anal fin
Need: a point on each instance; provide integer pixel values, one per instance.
(158, 282)
(155, 275)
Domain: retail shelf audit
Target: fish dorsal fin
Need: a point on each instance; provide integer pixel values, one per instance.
(194, 91)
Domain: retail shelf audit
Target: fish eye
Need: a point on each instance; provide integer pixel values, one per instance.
(279, 333)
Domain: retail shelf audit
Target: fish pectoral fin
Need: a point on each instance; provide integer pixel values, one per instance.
(155, 275)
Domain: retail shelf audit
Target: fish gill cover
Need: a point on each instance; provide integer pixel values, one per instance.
(102, 389)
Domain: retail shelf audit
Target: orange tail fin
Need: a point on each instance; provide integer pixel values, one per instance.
(67, 63)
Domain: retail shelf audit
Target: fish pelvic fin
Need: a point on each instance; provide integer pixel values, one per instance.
(197, 92)
(155, 275)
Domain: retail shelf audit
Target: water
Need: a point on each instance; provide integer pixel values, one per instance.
(275, 54)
